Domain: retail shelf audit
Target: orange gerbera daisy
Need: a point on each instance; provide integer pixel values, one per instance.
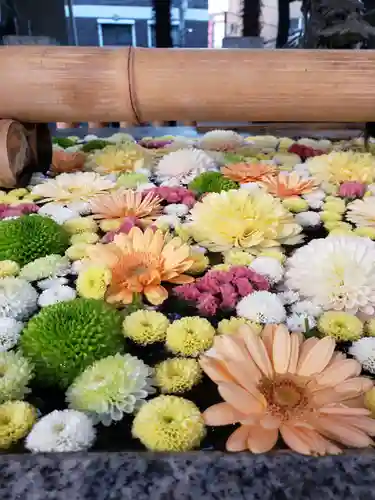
(63, 161)
(140, 261)
(247, 172)
(126, 203)
(279, 382)
(286, 185)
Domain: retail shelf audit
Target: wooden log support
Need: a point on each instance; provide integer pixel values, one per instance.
(92, 84)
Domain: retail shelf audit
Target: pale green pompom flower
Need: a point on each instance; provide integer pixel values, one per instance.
(15, 373)
(111, 387)
(45, 267)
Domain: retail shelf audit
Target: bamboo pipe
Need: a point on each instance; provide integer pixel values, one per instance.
(92, 84)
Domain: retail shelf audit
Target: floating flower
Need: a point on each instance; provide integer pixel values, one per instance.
(56, 294)
(221, 140)
(175, 194)
(86, 237)
(177, 375)
(52, 283)
(336, 273)
(268, 267)
(16, 372)
(308, 219)
(73, 187)
(262, 307)
(79, 225)
(18, 299)
(126, 203)
(8, 268)
(352, 190)
(362, 212)
(248, 172)
(146, 327)
(211, 182)
(284, 185)
(295, 204)
(280, 383)
(169, 423)
(190, 336)
(111, 387)
(119, 159)
(45, 267)
(93, 281)
(63, 161)
(10, 330)
(140, 262)
(232, 325)
(61, 431)
(248, 220)
(237, 257)
(16, 420)
(341, 326)
(183, 165)
(363, 350)
(339, 167)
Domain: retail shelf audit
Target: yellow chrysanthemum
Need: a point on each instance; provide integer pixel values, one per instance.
(295, 204)
(16, 420)
(370, 328)
(239, 218)
(93, 281)
(340, 325)
(231, 325)
(118, 159)
(86, 237)
(237, 257)
(190, 336)
(200, 262)
(80, 225)
(177, 375)
(8, 268)
(367, 232)
(339, 166)
(146, 327)
(78, 251)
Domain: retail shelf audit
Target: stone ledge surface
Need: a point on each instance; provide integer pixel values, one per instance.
(195, 476)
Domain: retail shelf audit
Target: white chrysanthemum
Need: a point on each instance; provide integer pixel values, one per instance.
(307, 307)
(288, 297)
(183, 165)
(56, 294)
(61, 431)
(165, 221)
(315, 199)
(251, 186)
(363, 350)
(16, 372)
(362, 212)
(58, 212)
(80, 207)
(18, 299)
(52, 283)
(336, 273)
(221, 140)
(178, 209)
(308, 219)
(10, 330)
(268, 267)
(45, 267)
(77, 266)
(262, 307)
(300, 323)
(111, 387)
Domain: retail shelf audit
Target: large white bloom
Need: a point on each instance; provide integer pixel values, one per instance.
(362, 212)
(66, 430)
(221, 140)
(18, 299)
(262, 307)
(183, 165)
(336, 273)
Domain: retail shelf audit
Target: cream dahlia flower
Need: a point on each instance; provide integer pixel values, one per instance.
(183, 165)
(73, 187)
(336, 273)
(338, 167)
(241, 218)
(362, 212)
(279, 383)
(221, 140)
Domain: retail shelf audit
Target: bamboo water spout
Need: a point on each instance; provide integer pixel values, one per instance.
(70, 84)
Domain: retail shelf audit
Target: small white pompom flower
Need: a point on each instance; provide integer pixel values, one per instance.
(165, 221)
(261, 307)
(61, 431)
(57, 212)
(308, 308)
(178, 209)
(10, 330)
(300, 323)
(56, 294)
(80, 207)
(52, 282)
(308, 219)
(363, 350)
(251, 186)
(18, 299)
(268, 267)
(288, 297)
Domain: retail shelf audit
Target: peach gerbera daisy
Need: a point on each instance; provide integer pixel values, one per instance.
(63, 161)
(126, 203)
(279, 382)
(286, 185)
(140, 261)
(247, 172)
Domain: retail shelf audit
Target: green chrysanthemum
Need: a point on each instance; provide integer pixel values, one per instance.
(94, 145)
(16, 420)
(65, 338)
(45, 267)
(111, 387)
(169, 423)
(15, 373)
(211, 182)
(64, 142)
(30, 237)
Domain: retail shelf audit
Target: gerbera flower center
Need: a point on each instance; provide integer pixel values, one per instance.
(285, 396)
